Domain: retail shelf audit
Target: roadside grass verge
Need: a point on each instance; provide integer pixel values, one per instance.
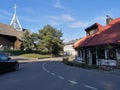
(29, 54)
(85, 66)
(20, 52)
(34, 55)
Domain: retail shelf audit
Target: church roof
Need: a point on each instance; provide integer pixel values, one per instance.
(107, 34)
(10, 31)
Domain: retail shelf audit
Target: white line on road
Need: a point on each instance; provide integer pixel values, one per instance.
(73, 82)
(53, 74)
(90, 87)
(43, 66)
(60, 77)
(47, 71)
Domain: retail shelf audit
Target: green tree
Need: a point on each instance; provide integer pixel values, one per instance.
(34, 36)
(28, 42)
(50, 40)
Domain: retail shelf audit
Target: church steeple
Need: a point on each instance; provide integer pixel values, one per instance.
(15, 21)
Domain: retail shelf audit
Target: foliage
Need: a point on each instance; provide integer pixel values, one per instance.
(28, 54)
(28, 42)
(21, 52)
(50, 40)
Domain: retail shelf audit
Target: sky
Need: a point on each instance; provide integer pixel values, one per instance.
(70, 16)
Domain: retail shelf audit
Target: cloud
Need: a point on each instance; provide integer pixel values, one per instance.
(5, 13)
(58, 5)
(28, 10)
(79, 25)
(67, 17)
(30, 19)
(61, 19)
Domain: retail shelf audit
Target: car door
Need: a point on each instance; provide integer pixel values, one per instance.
(4, 63)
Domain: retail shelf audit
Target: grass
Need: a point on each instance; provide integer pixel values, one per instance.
(28, 54)
(34, 55)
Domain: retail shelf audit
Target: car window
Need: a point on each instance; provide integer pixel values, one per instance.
(3, 58)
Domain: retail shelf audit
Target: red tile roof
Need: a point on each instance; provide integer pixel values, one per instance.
(106, 35)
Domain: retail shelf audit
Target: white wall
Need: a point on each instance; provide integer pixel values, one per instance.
(69, 50)
(106, 62)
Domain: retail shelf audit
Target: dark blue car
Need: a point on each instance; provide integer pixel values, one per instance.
(6, 64)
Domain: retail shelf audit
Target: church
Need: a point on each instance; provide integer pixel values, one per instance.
(11, 35)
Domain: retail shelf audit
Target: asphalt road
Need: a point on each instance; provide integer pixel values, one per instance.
(55, 75)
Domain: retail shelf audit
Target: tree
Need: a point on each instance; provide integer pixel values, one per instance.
(28, 42)
(50, 40)
(34, 36)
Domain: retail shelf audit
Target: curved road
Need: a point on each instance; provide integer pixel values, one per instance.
(55, 75)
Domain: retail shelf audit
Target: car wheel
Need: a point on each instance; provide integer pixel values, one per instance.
(16, 67)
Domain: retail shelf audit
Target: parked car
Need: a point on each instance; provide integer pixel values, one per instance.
(7, 64)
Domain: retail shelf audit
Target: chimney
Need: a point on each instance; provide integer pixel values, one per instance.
(109, 19)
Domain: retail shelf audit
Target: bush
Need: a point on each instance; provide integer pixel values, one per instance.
(82, 65)
(66, 61)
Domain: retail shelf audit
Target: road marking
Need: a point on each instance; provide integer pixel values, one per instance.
(90, 87)
(60, 77)
(73, 82)
(43, 66)
(47, 71)
(53, 74)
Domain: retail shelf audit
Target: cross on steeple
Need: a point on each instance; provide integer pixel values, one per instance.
(15, 21)
(15, 8)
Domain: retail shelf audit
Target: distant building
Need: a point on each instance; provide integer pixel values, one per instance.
(101, 45)
(11, 35)
(68, 48)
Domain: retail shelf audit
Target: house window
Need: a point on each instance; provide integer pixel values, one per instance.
(111, 54)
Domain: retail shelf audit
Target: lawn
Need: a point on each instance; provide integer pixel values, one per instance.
(28, 54)
(34, 55)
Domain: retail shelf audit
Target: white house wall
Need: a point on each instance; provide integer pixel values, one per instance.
(106, 62)
(69, 50)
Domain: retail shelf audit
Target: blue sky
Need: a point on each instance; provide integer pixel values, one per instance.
(71, 16)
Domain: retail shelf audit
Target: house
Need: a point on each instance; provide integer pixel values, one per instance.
(101, 45)
(68, 48)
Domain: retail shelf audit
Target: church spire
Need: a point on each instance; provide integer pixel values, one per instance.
(15, 21)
